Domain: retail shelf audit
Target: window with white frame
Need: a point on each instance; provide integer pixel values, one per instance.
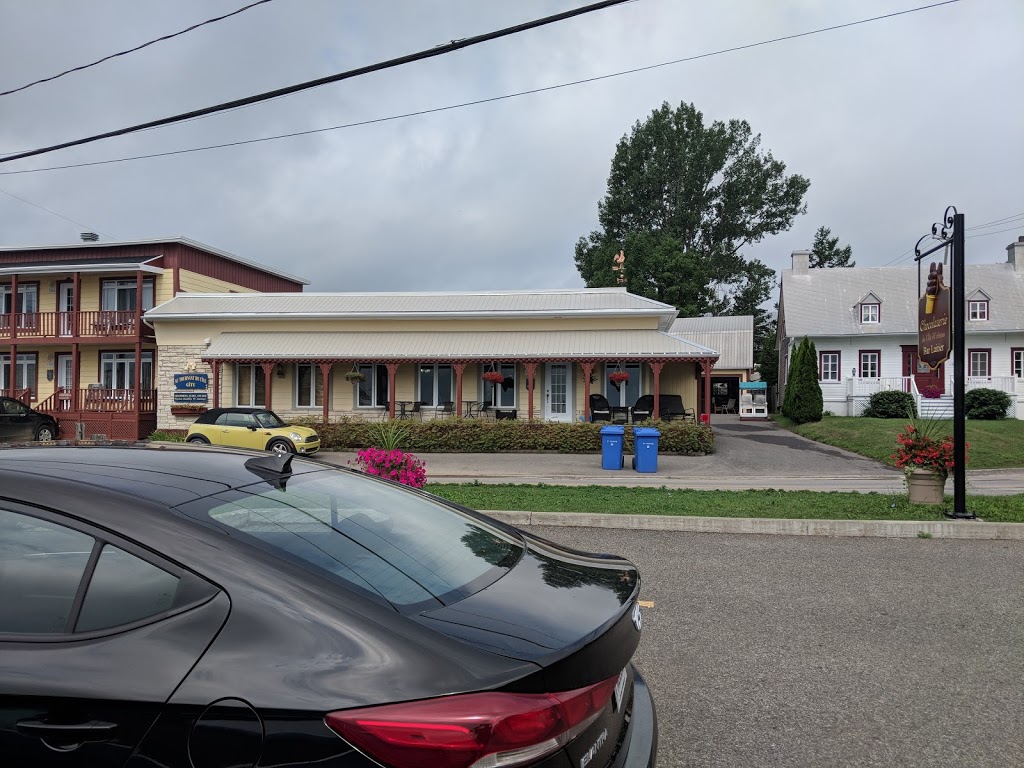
(250, 384)
(24, 373)
(117, 370)
(500, 395)
(870, 313)
(309, 385)
(373, 390)
(870, 365)
(119, 295)
(829, 366)
(1017, 356)
(28, 304)
(979, 363)
(436, 384)
(626, 393)
(977, 310)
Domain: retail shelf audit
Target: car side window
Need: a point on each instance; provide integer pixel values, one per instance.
(224, 420)
(14, 408)
(124, 589)
(41, 567)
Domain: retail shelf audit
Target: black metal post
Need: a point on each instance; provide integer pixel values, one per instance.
(959, 374)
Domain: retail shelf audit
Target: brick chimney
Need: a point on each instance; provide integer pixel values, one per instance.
(1015, 254)
(801, 261)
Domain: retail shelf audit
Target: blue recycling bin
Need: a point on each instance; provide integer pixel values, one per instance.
(611, 446)
(645, 458)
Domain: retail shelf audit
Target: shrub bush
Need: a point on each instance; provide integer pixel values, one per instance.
(803, 393)
(169, 435)
(986, 404)
(891, 404)
(458, 435)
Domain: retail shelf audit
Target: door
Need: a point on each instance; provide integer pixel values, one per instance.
(558, 392)
(66, 306)
(927, 380)
(96, 620)
(240, 430)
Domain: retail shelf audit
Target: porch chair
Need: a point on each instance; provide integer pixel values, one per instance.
(447, 409)
(600, 410)
(729, 407)
(643, 408)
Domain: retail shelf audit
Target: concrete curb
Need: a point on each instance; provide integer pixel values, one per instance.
(952, 529)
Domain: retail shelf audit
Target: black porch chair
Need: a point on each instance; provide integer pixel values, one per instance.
(600, 410)
(643, 408)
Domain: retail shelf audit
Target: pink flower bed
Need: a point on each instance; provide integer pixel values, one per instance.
(395, 465)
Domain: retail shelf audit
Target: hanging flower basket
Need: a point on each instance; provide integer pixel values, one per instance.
(355, 376)
(618, 377)
(494, 377)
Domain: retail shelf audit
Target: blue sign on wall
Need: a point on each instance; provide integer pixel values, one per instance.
(191, 380)
(190, 397)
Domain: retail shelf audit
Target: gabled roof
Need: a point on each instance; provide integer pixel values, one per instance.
(732, 337)
(823, 302)
(457, 345)
(158, 241)
(585, 302)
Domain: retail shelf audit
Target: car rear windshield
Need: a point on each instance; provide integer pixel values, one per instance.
(384, 540)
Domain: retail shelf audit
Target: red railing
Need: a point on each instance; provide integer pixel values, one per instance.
(82, 324)
(98, 400)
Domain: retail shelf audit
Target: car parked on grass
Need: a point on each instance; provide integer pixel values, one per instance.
(180, 606)
(255, 428)
(19, 423)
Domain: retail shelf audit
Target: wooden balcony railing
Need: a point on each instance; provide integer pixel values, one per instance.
(99, 400)
(48, 325)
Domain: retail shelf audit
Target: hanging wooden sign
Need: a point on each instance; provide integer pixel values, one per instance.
(934, 321)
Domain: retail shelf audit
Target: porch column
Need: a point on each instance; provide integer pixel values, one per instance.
(268, 384)
(706, 367)
(216, 384)
(138, 304)
(12, 369)
(656, 369)
(138, 374)
(76, 305)
(76, 376)
(531, 376)
(14, 324)
(459, 369)
(588, 368)
(325, 369)
(392, 376)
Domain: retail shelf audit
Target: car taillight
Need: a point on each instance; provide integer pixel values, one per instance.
(473, 730)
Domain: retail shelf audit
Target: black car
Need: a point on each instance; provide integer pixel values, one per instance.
(19, 423)
(184, 606)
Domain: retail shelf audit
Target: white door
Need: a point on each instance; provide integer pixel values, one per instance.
(558, 392)
(64, 380)
(66, 305)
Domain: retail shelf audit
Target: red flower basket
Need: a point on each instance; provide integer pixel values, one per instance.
(618, 377)
(494, 377)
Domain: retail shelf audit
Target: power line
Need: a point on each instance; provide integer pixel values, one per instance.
(475, 102)
(439, 50)
(132, 50)
(1004, 220)
(997, 232)
(58, 215)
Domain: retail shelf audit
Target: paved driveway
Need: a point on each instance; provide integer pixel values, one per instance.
(811, 651)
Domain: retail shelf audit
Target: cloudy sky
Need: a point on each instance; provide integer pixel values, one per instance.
(891, 121)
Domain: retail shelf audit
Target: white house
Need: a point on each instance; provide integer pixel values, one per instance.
(863, 322)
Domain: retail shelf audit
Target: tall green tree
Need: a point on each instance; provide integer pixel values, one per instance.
(825, 252)
(683, 199)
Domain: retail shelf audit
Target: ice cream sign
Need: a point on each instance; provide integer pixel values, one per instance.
(933, 320)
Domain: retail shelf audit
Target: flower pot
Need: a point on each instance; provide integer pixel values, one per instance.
(187, 411)
(924, 487)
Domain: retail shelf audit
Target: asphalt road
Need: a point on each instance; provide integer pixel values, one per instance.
(810, 651)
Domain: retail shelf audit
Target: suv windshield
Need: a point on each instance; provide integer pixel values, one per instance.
(268, 419)
(392, 543)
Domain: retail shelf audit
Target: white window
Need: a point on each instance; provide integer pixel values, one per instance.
(977, 310)
(24, 373)
(28, 304)
(626, 393)
(869, 365)
(119, 295)
(830, 366)
(117, 370)
(250, 384)
(1018, 363)
(436, 384)
(979, 363)
(500, 395)
(373, 390)
(869, 313)
(309, 386)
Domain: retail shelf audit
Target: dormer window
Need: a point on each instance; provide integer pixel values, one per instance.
(977, 310)
(870, 313)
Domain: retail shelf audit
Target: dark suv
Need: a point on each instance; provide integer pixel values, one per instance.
(18, 423)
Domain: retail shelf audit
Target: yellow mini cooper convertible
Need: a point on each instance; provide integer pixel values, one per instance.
(252, 428)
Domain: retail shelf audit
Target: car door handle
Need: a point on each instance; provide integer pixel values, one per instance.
(68, 733)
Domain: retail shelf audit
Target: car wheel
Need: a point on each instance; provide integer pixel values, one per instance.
(45, 433)
(197, 439)
(280, 446)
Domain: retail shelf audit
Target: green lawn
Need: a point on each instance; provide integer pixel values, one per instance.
(993, 444)
(663, 501)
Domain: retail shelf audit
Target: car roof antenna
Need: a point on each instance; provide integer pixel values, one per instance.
(274, 468)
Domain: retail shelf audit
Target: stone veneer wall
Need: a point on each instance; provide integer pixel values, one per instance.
(172, 360)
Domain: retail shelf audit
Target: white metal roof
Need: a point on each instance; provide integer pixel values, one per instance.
(463, 345)
(824, 302)
(732, 337)
(176, 239)
(554, 303)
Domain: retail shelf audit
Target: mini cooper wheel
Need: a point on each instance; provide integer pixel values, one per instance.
(199, 439)
(280, 446)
